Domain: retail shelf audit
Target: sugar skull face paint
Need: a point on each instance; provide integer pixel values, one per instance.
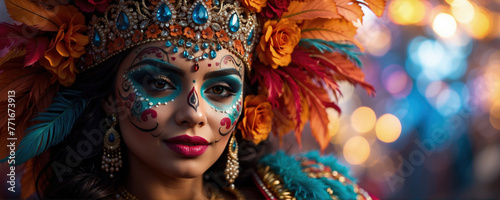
(165, 99)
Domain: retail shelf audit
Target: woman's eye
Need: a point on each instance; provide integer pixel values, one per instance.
(220, 91)
(157, 83)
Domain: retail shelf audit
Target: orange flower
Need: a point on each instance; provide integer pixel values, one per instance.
(154, 2)
(277, 42)
(137, 37)
(118, 44)
(188, 32)
(254, 5)
(207, 33)
(68, 44)
(239, 47)
(208, 3)
(153, 31)
(257, 121)
(222, 36)
(171, 1)
(175, 30)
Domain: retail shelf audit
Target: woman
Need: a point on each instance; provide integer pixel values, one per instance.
(165, 89)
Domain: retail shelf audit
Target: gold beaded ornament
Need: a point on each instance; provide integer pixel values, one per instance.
(112, 156)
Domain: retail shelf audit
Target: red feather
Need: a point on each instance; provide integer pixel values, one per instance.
(271, 80)
(345, 69)
(35, 48)
(23, 37)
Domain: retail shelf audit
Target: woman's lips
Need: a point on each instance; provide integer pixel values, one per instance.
(186, 145)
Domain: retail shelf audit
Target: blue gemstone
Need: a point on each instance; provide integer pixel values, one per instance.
(111, 137)
(204, 45)
(213, 54)
(97, 39)
(234, 23)
(205, 56)
(164, 13)
(168, 43)
(190, 57)
(185, 54)
(249, 39)
(234, 145)
(219, 47)
(176, 49)
(200, 14)
(216, 2)
(189, 44)
(122, 22)
(181, 42)
(196, 48)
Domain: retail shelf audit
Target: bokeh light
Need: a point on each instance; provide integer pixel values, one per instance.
(495, 115)
(363, 119)
(388, 128)
(333, 121)
(462, 10)
(444, 25)
(356, 150)
(480, 25)
(406, 12)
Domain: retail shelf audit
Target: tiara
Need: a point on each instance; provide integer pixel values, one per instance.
(200, 28)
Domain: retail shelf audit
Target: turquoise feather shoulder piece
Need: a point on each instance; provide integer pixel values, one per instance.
(309, 176)
(54, 125)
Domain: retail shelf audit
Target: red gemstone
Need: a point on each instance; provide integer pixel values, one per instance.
(196, 67)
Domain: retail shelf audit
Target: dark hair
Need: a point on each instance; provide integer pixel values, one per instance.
(74, 169)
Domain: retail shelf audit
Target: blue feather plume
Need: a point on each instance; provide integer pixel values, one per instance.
(329, 46)
(55, 124)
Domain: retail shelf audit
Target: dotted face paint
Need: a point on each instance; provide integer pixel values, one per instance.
(226, 82)
(150, 82)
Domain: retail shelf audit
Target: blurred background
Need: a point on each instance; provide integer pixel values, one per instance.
(433, 129)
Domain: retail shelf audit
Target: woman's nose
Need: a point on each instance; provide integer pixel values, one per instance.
(189, 112)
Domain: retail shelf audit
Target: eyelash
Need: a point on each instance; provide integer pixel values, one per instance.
(148, 80)
(228, 90)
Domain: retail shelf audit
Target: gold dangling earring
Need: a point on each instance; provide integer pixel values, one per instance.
(232, 164)
(112, 156)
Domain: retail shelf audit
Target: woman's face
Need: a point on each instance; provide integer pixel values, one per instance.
(177, 115)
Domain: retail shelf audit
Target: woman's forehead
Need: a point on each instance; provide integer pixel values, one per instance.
(158, 51)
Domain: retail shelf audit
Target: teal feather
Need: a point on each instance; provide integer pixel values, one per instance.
(343, 191)
(294, 179)
(329, 46)
(55, 123)
(303, 187)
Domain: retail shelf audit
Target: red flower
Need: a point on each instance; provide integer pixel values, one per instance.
(275, 8)
(91, 5)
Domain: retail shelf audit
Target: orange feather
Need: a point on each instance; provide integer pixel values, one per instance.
(336, 30)
(33, 14)
(299, 10)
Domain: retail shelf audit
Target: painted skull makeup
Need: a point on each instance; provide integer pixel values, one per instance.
(165, 97)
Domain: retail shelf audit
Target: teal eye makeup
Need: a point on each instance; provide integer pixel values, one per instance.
(154, 82)
(223, 93)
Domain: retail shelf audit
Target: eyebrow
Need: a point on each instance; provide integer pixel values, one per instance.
(160, 64)
(223, 72)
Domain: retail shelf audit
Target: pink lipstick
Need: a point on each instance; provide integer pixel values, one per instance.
(186, 145)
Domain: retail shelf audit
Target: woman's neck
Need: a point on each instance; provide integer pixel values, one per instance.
(145, 182)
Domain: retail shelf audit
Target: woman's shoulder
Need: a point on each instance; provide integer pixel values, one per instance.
(305, 176)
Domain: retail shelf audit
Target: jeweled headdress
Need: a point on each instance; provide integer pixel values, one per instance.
(201, 27)
(297, 52)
